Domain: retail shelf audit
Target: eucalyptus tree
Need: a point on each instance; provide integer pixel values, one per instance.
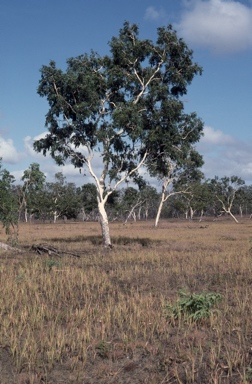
(225, 190)
(150, 199)
(8, 204)
(245, 200)
(33, 183)
(89, 201)
(122, 109)
(130, 200)
(198, 200)
(63, 198)
(178, 173)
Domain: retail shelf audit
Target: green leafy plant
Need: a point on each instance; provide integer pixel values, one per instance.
(103, 349)
(193, 306)
(52, 263)
(248, 375)
(8, 206)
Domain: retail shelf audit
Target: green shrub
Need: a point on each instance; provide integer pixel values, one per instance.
(51, 263)
(193, 306)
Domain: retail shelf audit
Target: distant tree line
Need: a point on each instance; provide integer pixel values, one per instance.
(36, 199)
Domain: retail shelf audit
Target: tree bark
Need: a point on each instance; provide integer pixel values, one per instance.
(191, 213)
(104, 225)
(159, 211)
(233, 217)
(201, 215)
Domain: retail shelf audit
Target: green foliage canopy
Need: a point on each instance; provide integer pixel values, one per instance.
(125, 105)
(8, 202)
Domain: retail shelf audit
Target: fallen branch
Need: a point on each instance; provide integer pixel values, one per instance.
(7, 247)
(51, 250)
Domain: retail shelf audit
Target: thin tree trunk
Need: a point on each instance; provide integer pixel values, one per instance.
(233, 217)
(159, 211)
(55, 216)
(83, 214)
(201, 215)
(192, 212)
(131, 213)
(104, 225)
(26, 215)
(139, 213)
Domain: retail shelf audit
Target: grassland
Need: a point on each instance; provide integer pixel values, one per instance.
(101, 318)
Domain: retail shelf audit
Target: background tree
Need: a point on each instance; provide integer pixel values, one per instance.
(113, 205)
(177, 174)
(89, 201)
(33, 183)
(245, 199)
(124, 106)
(150, 197)
(130, 200)
(198, 200)
(64, 199)
(225, 192)
(8, 204)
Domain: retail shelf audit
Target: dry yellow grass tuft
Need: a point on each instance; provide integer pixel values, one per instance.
(100, 318)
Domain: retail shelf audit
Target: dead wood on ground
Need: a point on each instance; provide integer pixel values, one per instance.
(7, 247)
(51, 250)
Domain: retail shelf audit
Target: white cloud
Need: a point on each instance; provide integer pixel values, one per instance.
(224, 26)
(215, 136)
(154, 14)
(8, 152)
(28, 144)
(225, 155)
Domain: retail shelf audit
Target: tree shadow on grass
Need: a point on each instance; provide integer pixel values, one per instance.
(97, 240)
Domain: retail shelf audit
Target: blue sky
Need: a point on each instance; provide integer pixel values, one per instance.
(33, 32)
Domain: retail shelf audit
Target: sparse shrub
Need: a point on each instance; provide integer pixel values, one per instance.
(103, 349)
(52, 263)
(248, 375)
(124, 240)
(20, 277)
(195, 307)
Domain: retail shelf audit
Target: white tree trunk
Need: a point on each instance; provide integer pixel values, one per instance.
(191, 213)
(201, 215)
(104, 224)
(55, 216)
(26, 215)
(132, 212)
(83, 214)
(139, 213)
(159, 210)
(233, 217)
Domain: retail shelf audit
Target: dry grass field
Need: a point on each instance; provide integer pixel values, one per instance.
(104, 318)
